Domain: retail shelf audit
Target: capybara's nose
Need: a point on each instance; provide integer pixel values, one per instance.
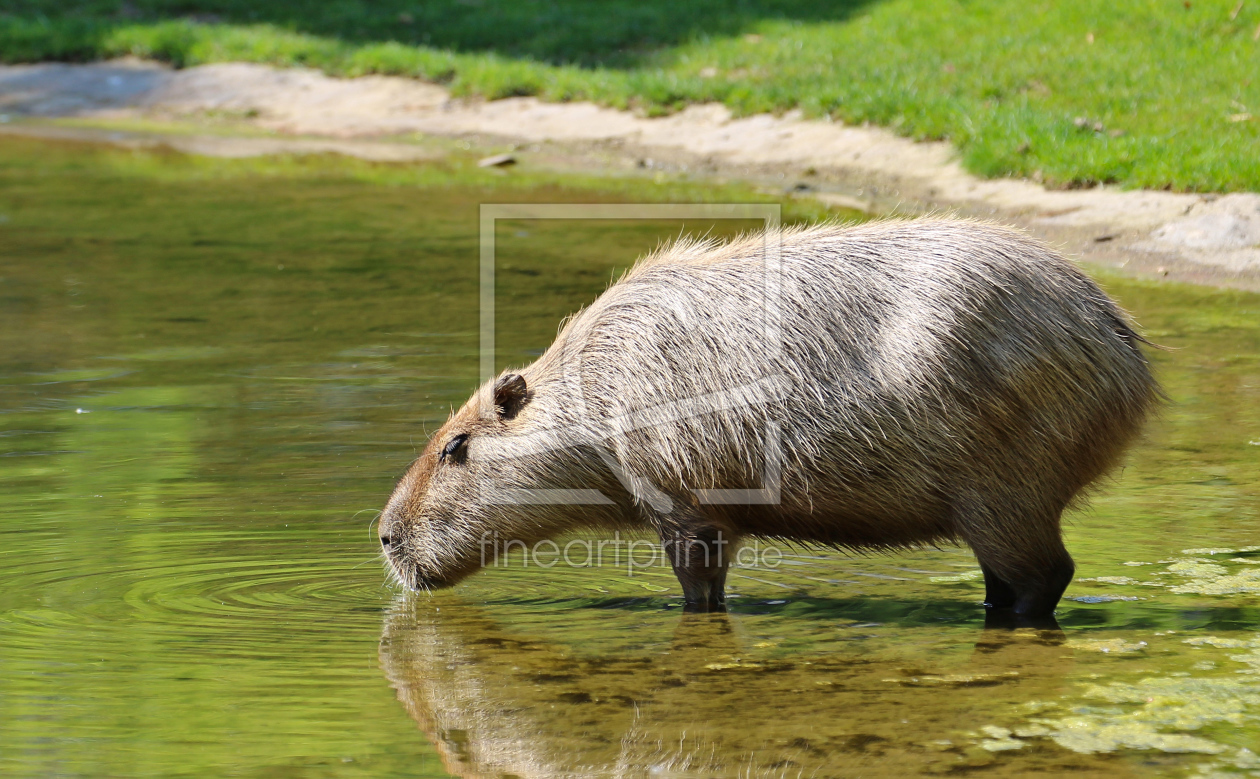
(385, 526)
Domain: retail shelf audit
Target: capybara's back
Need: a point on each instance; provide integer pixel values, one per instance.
(887, 385)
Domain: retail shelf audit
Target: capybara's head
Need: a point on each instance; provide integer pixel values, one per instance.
(471, 492)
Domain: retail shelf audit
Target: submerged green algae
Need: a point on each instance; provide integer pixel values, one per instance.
(1176, 713)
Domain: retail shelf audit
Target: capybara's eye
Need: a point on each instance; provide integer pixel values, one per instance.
(452, 447)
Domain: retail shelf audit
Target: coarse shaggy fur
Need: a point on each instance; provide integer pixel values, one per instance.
(919, 381)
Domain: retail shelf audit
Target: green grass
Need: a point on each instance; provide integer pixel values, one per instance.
(1144, 93)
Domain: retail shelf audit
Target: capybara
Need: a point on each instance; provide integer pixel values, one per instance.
(874, 387)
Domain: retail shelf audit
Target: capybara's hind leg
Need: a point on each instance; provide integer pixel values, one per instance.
(1029, 594)
(1028, 584)
(1038, 598)
(1026, 569)
(998, 593)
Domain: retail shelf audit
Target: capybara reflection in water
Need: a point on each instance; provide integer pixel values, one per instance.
(888, 385)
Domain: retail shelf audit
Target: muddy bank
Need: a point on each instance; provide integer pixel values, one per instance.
(1202, 238)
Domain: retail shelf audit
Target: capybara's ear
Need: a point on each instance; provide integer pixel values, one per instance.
(510, 395)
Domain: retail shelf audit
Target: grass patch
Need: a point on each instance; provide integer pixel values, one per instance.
(1143, 93)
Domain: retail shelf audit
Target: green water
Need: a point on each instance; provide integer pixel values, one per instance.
(211, 373)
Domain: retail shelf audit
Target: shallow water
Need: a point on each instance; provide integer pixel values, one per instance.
(211, 373)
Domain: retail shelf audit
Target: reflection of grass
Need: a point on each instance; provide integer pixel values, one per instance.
(456, 168)
(247, 255)
(1134, 92)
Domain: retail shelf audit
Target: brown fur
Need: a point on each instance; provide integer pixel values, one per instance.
(932, 381)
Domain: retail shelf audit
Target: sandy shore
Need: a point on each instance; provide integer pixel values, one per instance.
(1208, 238)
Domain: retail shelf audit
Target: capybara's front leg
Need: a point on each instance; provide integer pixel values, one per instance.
(700, 558)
